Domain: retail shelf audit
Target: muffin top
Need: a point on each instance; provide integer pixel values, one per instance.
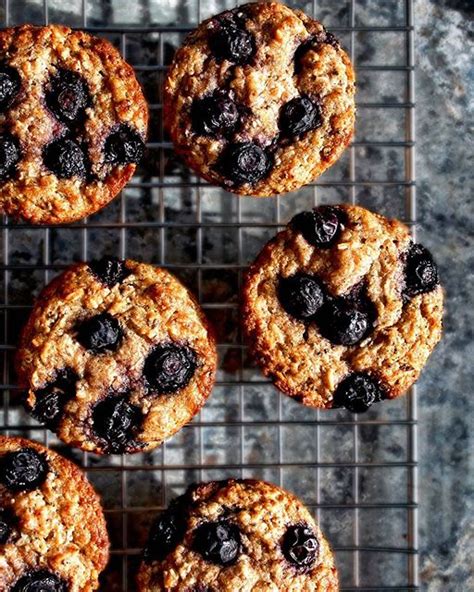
(53, 536)
(237, 535)
(260, 99)
(342, 309)
(116, 356)
(73, 123)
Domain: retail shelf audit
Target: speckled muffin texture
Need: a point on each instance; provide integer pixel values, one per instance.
(237, 536)
(117, 356)
(73, 123)
(53, 536)
(260, 99)
(342, 309)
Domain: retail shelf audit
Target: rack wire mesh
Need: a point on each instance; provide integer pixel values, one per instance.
(358, 474)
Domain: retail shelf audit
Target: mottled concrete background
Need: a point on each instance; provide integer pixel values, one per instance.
(229, 430)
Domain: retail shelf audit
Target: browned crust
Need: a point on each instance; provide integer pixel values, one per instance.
(65, 503)
(263, 513)
(194, 74)
(152, 306)
(34, 193)
(395, 353)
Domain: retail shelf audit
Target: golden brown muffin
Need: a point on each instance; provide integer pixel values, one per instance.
(237, 536)
(117, 356)
(53, 535)
(73, 123)
(260, 99)
(342, 309)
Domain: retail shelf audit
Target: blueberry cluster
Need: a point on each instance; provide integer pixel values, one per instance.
(40, 580)
(67, 97)
(219, 116)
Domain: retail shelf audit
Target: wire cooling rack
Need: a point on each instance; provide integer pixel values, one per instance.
(358, 474)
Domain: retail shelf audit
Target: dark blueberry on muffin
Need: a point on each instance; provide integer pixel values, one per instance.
(10, 154)
(343, 324)
(321, 227)
(218, 542)
(124, 146)
(169, 367)
(116, 421)
(109, 270)
(101, 333)
(50, 400)
(232, 42)
(166, 533)
(23, 470)
(358, 392)
(300, 546)
(40, 581)
(245, 162)
(300, 115)
(421, 272)
(65, 158)
(215, 115)
(301, 295)
(68, 96)
(10, 84)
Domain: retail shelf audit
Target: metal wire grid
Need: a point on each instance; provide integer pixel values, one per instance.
(217, 443)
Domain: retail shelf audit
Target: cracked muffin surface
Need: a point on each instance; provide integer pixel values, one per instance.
(53, 535)
(116, 356)
(342, 309)
(73, 123)
(237, 535)
(260, 99)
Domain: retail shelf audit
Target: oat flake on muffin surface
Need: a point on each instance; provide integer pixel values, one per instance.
(342, 309)
(73, 123)
(238, 535)
(116, 356)
(53, 535)
(260, 99)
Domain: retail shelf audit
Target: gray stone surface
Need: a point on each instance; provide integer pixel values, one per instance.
(229, 433)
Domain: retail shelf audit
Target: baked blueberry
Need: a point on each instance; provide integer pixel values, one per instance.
(40, 581)
(298, 116)
(215, 115)
(231, 41)
(321, 227)
(10, 83)
(166, 533)
(23, 470)
(245, 162)
(358, 392)
(68, 96)
(124, 146)
(51, 399)
(421, 272)
(65, 158)
(218, 542)
(116, 422)
(109, 270)
(10, 154)
(301, 295)
(312, 43)
(169, 367)
(7, 523)
(101, 333)
(343, 324)
(300, 546)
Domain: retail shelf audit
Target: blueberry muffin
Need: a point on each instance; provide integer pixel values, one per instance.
(260, 99)
(73, 123)
(53, 536)
(237, 536)
(342, 309)
(116, 356)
